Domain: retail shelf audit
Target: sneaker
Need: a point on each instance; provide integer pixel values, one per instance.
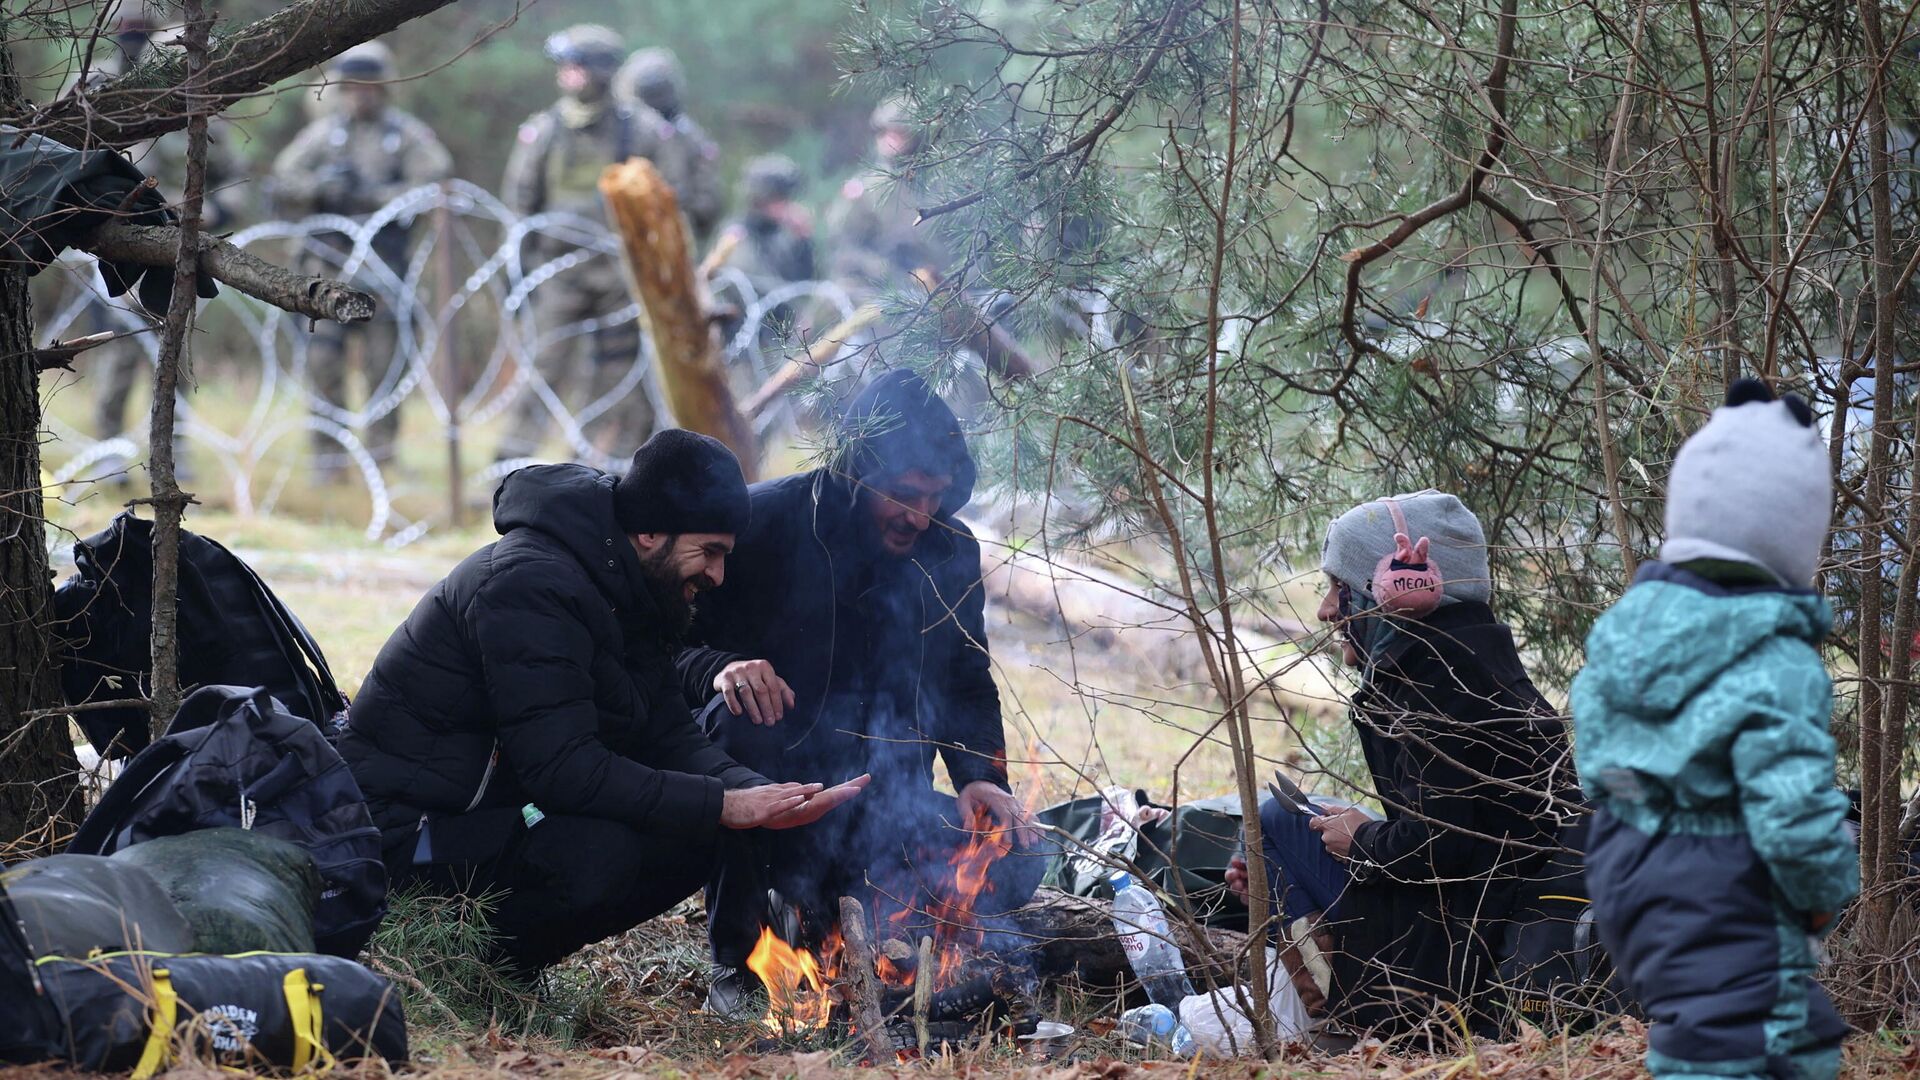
(733, 993)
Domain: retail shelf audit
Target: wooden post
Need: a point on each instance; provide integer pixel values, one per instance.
(861, 981)
(673, 298)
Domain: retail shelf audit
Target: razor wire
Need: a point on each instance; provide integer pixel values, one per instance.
(463, 308)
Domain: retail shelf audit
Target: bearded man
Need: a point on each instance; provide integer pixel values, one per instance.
(524, 732)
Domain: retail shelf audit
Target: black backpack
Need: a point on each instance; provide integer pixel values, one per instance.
(233, 631)
(1556, 973)
(235, 757)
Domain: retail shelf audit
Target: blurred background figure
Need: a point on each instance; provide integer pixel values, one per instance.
(138, 28)
(773, 234)
(556, 166)
(687, 158)
(361, 154)
(876, 246)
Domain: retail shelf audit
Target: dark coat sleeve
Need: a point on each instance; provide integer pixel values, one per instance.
(1445, 735)
(973, 739)
(532, 634)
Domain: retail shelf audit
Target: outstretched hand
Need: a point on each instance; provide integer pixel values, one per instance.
(984, 800)
(750, 808)
(816, 807)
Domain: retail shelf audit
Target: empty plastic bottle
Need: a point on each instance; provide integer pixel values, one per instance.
(1141, 924)
(1155, 1025)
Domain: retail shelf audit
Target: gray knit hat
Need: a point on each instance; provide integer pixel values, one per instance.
(1358, 539)
(1753, 486)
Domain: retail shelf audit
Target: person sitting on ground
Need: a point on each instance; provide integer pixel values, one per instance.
(524, 731)
(1719, 848)
(1462, 749)
(850, 639)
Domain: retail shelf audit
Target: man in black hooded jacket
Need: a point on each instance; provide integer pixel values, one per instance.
(850, 639)
(524, 731)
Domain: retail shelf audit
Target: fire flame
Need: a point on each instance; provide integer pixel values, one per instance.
(972, 866)
(796, 988)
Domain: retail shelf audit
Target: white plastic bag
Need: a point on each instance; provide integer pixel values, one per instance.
(1219, 1027)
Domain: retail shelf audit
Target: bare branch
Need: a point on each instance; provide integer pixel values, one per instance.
(152, 99)
(314, 297)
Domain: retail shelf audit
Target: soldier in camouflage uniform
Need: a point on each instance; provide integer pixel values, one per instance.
(774, 236)
(118, 364)
(687, 159)
(875, 242)
(354, 160)
(556, 166)
(775, 233)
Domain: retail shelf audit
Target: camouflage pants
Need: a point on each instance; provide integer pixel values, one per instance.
(116, 365)
(328, 367)
(579, 380)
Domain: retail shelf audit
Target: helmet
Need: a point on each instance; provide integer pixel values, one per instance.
(368, 62)
(588, 45)
(891, 113)
(653, 77)
(138, 17)
(770, 176)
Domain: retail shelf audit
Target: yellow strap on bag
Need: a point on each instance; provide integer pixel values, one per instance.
(166, 1013)
(303, 1009)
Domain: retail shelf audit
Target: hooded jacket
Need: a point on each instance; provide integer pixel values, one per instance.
(540, 671)
(887, 657)
(1462, 748)
(1704, 709)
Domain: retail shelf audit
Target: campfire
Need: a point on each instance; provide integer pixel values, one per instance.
(935, 978)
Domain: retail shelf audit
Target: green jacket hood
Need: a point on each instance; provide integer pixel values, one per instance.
(1674, 633)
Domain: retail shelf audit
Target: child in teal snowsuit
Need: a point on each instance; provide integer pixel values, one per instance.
(1700, 733)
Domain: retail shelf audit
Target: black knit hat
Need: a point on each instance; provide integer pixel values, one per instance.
(682, 482)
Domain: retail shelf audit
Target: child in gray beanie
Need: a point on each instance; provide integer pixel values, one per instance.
(1701, 738)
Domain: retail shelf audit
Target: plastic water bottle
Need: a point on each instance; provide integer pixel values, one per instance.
(1155, 1025)
(1141, 924)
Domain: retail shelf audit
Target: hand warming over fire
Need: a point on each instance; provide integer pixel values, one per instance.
(784, 806)
(750, 686)
(1336, 830)
(983, 798)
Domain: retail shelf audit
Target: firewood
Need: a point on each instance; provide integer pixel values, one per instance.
(863, 986)
(672, 294)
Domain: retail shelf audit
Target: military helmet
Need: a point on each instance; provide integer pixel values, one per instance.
(588, 45)
(138, 16)
(655, 78)
(367, 62)
(891, 113)
(770, 176)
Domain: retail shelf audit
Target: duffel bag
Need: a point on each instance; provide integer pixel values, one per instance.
(1185, 853)
(139, 1011)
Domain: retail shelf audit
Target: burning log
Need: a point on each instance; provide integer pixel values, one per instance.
(863, 986)
(645, 213)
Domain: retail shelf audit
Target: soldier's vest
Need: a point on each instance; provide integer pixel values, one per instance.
(575, 158)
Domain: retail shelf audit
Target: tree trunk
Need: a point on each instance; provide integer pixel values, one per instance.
(37, 801)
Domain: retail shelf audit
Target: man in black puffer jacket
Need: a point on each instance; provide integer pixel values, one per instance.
(854, 616)
(524, 730)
